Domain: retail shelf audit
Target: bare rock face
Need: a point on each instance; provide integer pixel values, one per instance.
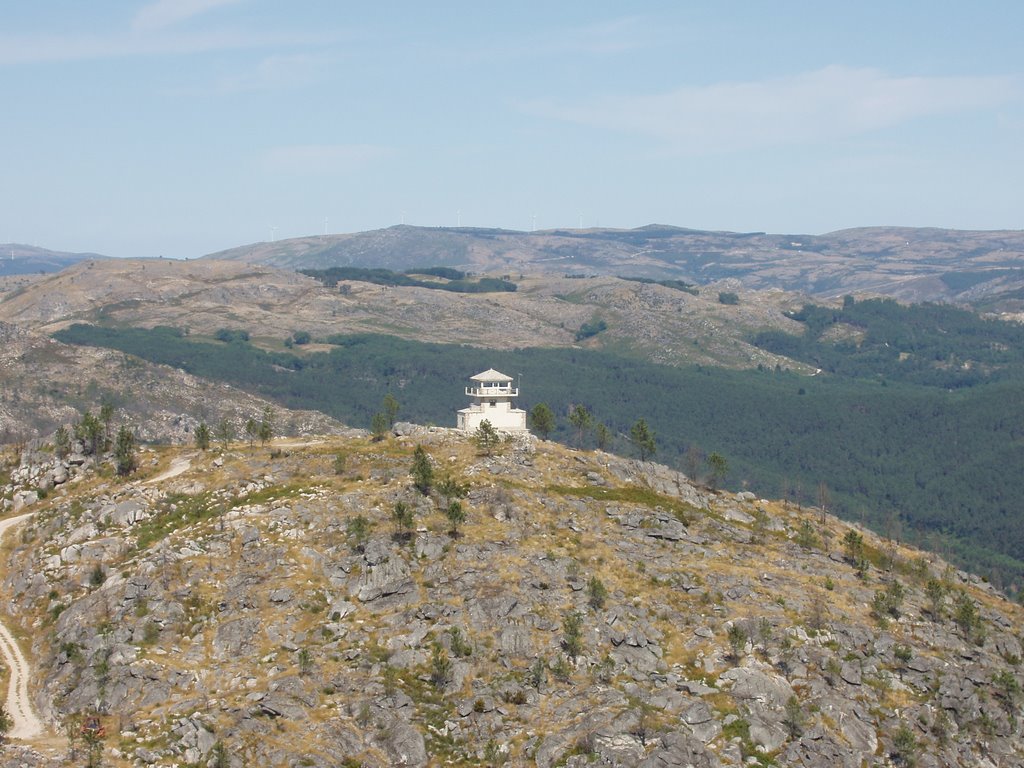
(760, 686)
(24, 499)
(405, 745)
(675, 750)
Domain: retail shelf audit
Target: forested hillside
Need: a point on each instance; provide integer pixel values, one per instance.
(925, 463)
(930, 344)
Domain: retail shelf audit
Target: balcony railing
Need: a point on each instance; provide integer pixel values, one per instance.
(500, 391)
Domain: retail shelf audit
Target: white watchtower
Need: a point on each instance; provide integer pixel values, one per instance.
(492, 394)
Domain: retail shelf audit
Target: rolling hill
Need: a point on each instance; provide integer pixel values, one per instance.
(911, 264)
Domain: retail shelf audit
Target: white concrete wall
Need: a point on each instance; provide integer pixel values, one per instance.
(501, 415)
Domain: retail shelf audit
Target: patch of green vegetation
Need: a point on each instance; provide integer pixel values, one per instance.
(175, 511)
(227, 335)
(150, 633)
(54, 613)
(432, 709)
(270, 493)
(679, 285)
(740, 728)
(454, 280)
(73, 652)
(594, 327)
(577, 297)
(648, 498)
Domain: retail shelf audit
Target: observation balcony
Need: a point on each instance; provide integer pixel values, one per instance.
(496, 390)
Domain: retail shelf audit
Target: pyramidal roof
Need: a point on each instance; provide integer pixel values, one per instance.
(490, 375)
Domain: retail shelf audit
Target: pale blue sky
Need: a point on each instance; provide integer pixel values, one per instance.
(180, 127)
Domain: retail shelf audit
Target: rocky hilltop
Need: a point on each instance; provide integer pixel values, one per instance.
(306, 604)
(911, 264)
(44, 384)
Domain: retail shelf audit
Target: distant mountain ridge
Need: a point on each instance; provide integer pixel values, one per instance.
(18, 259)
(981, 268)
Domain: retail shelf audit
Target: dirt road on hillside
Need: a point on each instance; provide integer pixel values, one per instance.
(27, 724)
(178, 466)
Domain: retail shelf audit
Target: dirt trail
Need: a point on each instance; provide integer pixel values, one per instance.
(297, 443)
(27, 724)
(178, 466)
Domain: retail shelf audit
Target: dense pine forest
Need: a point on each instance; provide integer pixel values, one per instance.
(915, 425)
(446, 279)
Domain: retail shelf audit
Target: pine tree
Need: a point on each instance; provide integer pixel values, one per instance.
(251, 430)
(225, 432)
(456, 515)
(124, 451)
(542, 420)
(572, 639)
(202, 433)
(719, 468)
(61, 442)
(89, 430)
(581, 419)
(643, 439)
(379, 425)
(403, 517)
(266, 427)
(390, 406)
(449, 488)
(597, 592)
(357, 530)
(106, 417)
(422, 470)
(486, 437)
(440, 666)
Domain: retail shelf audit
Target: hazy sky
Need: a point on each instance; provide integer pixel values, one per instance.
(181, 127)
